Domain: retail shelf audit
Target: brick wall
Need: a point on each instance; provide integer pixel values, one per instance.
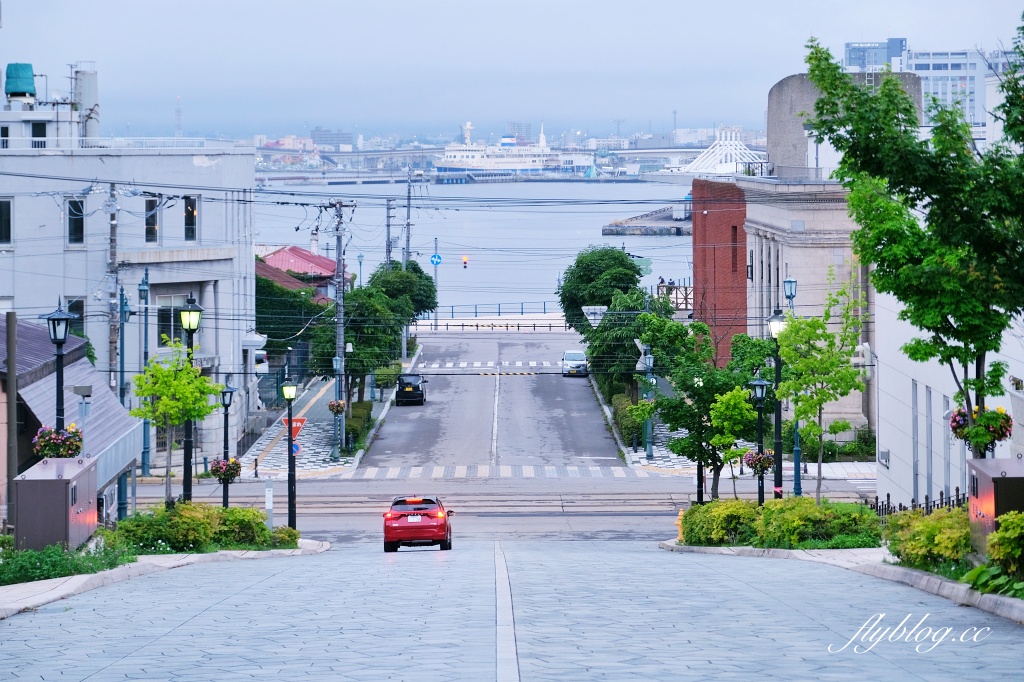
(719, 262)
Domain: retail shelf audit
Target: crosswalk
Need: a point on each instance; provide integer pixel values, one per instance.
(489, 367)
(472, 471)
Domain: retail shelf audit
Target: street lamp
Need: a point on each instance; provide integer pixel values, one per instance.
(144, 303)
(789, 287)
(190, 316)
(360, 259)
(59, 325)
(225, 399)
(760, 388)
(776, 323)
(288, 391)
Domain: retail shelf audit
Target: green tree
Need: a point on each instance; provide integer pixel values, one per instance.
(684, 353)
(373, 325)
(957, 274)
(284, 315)
(819, 359)
(597, 274)
(613, 354)
(732, 415)
(173, 391)
(413, 283)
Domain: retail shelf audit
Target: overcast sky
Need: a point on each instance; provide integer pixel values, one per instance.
(243, 67)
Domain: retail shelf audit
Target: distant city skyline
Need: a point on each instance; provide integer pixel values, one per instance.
(404, 69)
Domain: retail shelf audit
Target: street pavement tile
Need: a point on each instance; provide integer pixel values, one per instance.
(582, 611)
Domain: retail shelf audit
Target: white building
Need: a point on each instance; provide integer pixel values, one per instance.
(82, 217)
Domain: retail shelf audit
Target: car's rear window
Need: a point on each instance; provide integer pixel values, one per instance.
(413, 504)
(414, 380)
(575, 356)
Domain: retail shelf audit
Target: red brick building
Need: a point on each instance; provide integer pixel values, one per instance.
(720, 262)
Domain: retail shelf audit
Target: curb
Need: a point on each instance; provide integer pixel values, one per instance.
(623, 455)
(958, 593)
(383, 413)
(42, 592)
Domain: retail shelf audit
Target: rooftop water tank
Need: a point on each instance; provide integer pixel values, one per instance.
(20, 85)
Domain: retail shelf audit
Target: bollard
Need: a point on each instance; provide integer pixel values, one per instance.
(206, 464)
(269, 503)
(634, 443)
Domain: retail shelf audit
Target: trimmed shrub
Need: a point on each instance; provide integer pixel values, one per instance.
(732, 522)
(924, 540)
(362, 409)
(242, 526)
(147, 531)
(284, 537)
(22, 566)
(695, 525)
(6, 543)
(788, 522)
(192, 527)
(354, 426)
(628, 426)
(1006, 545)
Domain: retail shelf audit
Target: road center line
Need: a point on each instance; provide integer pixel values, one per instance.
(507, 657)
(494, 423)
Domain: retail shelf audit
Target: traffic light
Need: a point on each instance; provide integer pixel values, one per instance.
(465, 261)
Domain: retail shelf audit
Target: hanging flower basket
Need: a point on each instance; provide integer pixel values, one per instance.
(759, 464)
(997, 425)
(336, 407)
(226, 471)
(61, 444)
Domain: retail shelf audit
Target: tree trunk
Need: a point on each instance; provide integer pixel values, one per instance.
(716, 475)
(732, 475)
(168, 495)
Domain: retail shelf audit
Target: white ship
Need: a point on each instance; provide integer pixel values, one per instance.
(506, 160)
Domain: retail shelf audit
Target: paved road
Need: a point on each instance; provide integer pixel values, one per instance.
(488, 610)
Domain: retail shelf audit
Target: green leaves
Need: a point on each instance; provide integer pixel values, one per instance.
(598, 273)
(940, 223)
(172, 390)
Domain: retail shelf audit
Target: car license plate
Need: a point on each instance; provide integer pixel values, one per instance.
(572, 371)
(414, 518)
(408, 388)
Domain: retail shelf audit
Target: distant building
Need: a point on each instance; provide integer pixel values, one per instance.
(875, 56)
(330, 138)
(522, 130)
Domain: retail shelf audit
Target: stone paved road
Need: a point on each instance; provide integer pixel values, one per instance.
(582, 611)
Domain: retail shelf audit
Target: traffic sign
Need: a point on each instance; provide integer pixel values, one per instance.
(296, 449)
(435, 259)
(297, 424)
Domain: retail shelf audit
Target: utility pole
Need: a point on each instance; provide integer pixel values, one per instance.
(434, 261)
(144, 302)
(112, 324)
(408, 211)
(339, 313)
(387, 237)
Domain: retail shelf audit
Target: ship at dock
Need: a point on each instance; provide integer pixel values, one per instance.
(507, 161)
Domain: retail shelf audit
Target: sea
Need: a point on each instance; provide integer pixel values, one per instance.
(502, 247)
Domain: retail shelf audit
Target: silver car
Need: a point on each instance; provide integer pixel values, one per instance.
(574, 362)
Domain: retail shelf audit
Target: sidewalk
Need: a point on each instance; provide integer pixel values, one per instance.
(267, 456)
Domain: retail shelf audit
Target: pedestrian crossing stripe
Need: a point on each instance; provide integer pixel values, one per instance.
(423, 364)
(465, 471)
(507, 374)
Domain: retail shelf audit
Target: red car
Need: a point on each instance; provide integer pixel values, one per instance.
(417, 521)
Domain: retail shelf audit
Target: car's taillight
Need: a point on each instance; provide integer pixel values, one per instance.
(389, 515)
(440, 514)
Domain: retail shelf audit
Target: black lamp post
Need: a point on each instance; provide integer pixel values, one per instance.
(190, 316)
(59, 325)
(288, 391)
(789, 287)
(144, 303)
(760, 388)
(776, 323)
(225, 400)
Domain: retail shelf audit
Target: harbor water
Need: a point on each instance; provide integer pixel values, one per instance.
(517, 238)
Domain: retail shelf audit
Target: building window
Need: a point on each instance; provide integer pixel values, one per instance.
(191, 218)
(922, 67)
(168, 321)
(38, 134)
(5, 134)
(76, 306)
(152, 216)
(76, 221)
(5, 221)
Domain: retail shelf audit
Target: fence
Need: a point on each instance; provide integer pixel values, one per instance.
(886, 507)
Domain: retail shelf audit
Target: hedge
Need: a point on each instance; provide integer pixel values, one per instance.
(627, 426)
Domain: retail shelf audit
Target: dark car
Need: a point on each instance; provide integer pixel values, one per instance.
(411, 390)
(413, 521)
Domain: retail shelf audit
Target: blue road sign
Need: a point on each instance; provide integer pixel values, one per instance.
(296, 449)
(435, 259)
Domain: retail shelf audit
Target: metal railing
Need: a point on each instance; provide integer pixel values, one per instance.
(15, 143)
(885, 508)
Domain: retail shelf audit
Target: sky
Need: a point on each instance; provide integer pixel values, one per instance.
(397, 67)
